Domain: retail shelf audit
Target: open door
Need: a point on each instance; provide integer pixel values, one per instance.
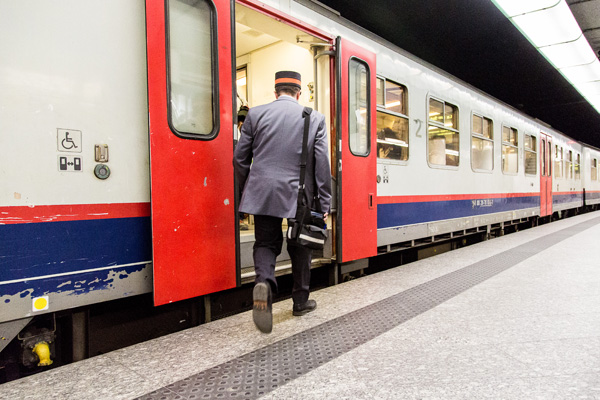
(357, 152)
(545, 175)
(191, 147)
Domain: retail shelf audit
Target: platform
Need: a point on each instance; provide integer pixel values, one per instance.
(514, 317)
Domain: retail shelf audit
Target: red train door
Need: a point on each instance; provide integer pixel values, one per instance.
(545, 175)
(191, 147)
(357, 152)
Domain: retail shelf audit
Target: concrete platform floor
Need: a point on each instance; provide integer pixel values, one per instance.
(516, 317)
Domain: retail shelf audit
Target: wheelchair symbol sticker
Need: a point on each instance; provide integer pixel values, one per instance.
(69, 140)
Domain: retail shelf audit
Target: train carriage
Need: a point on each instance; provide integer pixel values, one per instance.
(591, 184)
(567, 180)
(118, 124)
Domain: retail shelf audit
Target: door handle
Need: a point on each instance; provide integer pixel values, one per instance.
(370, 201)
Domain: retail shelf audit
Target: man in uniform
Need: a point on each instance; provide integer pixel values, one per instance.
(267, 166)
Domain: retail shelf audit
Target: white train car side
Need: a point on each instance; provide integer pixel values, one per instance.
(117, 128)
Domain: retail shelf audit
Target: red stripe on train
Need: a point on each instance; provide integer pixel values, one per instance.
(448, 197)
(71, 212)
(573, 193)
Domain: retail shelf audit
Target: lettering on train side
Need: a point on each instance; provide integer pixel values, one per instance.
(482, 203)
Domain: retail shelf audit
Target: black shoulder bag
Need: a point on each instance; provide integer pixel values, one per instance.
(308, 228)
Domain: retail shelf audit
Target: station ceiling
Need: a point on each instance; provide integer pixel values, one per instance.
(474, 41)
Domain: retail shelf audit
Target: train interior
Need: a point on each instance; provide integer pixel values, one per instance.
(264, 46)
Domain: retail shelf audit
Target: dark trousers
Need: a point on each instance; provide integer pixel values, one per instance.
(269, 240)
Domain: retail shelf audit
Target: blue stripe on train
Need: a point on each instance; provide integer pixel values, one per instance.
(567, 198)
(48, 248)
(77, 284)
(398, 214)
(592, 195)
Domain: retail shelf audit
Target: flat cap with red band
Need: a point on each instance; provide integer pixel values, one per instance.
(288, 78)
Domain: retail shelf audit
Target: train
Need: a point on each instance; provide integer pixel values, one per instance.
(118, 124)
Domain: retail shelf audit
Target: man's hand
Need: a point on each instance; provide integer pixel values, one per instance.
(325, 216)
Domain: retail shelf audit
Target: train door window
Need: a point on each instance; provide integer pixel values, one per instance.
(241, 83)
(358, 105)
(443, 134)
(594, 169)
(482, 144)
(392, 121)
(569, 165)
(576, 167)
(558, 162)
(510, 150)
(543, 171)
(549, 158)
(191, 81)
(531, 156)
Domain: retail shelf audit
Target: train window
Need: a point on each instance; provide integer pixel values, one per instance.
(482, 144)
(358, 106)
(569, 165)
(443, 135)
(392, 137)
(191, 80)
(391, 96)
(531, 156)
(594, 169)
(510, 150)
(576, 166)
(392, 121)
(510, 136)
(381, 92)
(558, 162)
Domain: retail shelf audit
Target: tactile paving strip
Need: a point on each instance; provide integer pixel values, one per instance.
(261, 371)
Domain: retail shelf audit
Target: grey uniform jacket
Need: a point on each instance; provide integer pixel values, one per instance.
(267, 159)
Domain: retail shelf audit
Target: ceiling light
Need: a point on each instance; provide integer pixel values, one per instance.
(594, 101)
(582, 73)
(517, 7)
(590, 89)
(550, 26)
(569, 54)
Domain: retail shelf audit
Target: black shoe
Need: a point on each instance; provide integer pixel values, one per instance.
(301, 309)
(262, 310)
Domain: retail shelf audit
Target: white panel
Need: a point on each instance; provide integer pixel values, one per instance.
(75, 65)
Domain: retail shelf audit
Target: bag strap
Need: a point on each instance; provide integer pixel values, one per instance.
(306, 115)
(303, 159)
